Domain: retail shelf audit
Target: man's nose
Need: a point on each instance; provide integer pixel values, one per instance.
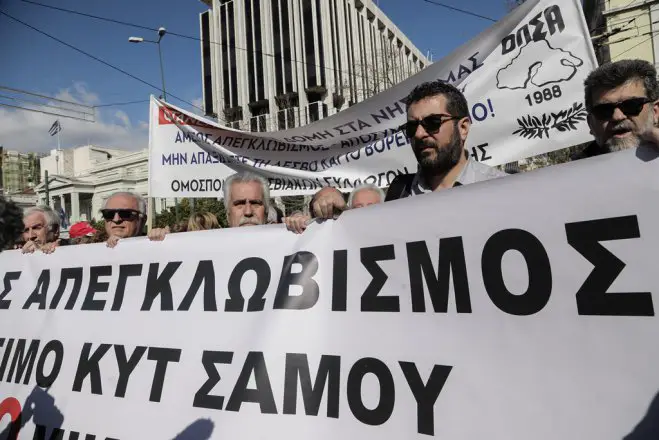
(248, 210)
(420, 132)
(618, 115)
(116, 218)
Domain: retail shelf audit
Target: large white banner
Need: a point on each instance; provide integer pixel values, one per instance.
(515, 309)
(523, 79)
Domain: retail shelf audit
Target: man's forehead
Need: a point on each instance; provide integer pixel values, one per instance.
(246, 189)
(121, 201)
(36, 218)
(367, 192)
(427, 106)
(632, 88)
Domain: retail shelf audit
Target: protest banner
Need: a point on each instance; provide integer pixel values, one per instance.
(523, 79)
(519, 308)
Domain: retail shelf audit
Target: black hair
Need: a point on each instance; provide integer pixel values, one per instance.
(456, 103)
(612, 75)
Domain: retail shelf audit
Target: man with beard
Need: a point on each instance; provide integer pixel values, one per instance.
(246, 199)
(437, 125)
(622, 109)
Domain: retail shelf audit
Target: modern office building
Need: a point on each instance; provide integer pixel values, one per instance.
(624, 29)
(274, 64)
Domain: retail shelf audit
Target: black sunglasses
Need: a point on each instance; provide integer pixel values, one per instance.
(431, 124)
(630, 107)
(124, 214)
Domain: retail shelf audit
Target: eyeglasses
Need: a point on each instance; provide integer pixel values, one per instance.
(124, 214)
(431, 123)
(630, 107)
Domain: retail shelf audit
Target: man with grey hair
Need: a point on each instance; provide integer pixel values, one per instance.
(621, 99)
(125, 216)
(246, 199)
(360, 197)
(365, 195)
(41, 230)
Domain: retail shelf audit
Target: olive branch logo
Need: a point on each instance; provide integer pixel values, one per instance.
(531, 127)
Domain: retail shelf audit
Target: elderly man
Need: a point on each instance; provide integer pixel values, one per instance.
(41, 230)
(621, 99)
(360, 197)
(365, 195)
(246, 199)
(437, 125)
(125, 216)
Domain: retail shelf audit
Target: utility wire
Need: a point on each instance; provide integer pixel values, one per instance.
(473, 14)
(122, 103)
(190, 37)
(636, 45)
(45, 112)
(50, 98)
(29, 101)
(94, 58)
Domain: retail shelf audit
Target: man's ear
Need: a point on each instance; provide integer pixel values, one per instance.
(591, 121)
(463, 127)
(655, 112)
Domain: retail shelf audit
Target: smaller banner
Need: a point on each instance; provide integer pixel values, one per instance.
(523, 79)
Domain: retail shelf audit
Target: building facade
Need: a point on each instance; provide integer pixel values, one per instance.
(82, 178)
(624, 29)
(20, 171)
(270, 65)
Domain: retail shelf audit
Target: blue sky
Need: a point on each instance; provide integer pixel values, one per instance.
(33, 62)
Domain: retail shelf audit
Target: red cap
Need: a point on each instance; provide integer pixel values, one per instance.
(81, 229)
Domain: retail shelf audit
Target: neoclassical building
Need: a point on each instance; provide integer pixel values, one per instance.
(80, 179)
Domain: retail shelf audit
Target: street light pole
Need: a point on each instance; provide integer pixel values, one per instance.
(161, 33)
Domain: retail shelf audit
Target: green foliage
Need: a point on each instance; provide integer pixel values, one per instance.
(293, 204)
(168, 217)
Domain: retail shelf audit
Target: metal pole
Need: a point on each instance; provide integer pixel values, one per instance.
(162, 72)
(45, 188)
(164, 95)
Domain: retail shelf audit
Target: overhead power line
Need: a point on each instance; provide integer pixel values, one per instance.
(636, 45)
(122, 103)
(191, 37)
(44, 112)
(30, 101)
(453, 8)
(95, 58)
(35, 102)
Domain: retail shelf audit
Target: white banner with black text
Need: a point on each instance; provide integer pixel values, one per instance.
(519, 308)
(523, 79)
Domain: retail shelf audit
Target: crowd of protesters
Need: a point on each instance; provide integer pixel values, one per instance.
(623, 111)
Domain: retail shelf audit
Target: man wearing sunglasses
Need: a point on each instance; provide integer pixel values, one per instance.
(437, 126)
(621, 99)
(125, 215)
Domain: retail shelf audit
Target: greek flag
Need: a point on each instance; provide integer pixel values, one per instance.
(55, 128)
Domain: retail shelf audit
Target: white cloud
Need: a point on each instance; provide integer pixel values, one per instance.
(123, 117)
(27, 131)
(197, 102)
(143, 125)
